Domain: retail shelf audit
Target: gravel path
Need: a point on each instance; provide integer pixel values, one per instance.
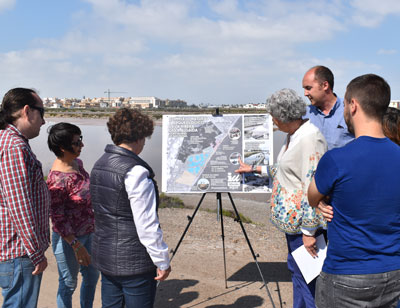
(197, 277)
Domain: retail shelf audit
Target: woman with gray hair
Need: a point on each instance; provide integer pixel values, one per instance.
(296, 163)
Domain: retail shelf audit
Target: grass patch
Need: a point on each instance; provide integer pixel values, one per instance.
(175, 202)
(231, 214)
(168, 202)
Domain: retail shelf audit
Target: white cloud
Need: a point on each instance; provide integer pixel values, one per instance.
(370, 13)
(173, 48)
(387, 51)
(382, 7)
(225, 8)
(6, 4)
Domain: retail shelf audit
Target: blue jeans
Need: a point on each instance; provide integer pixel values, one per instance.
(20, 287)
(68, 268)
(128, 291)
(345, 291)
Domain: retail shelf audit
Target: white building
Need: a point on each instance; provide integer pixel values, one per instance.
(145, 102)
(254, 106)
(55, 106)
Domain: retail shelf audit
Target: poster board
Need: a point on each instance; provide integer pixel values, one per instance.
(200, 153)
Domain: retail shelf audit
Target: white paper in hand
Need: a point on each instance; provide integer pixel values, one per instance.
(310, 267)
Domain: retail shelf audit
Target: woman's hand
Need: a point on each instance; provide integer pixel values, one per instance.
(326, 210)
(81, 254)
(162, 274)
(244, 168)
(310, 243)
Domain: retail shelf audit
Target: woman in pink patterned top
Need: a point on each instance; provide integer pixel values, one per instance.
(71, 215)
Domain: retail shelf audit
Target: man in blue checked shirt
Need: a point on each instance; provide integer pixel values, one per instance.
(326, 109)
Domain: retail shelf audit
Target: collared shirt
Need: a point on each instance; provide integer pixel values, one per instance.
(332, 125)
(142, 196)
(24, 200)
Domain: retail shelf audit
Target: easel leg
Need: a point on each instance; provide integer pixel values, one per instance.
(190, 218)
(251, 248)
(219, 200)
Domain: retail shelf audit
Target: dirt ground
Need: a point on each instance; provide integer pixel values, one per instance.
(198, 277)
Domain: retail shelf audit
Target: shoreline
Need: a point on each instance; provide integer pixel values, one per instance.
(87, 120)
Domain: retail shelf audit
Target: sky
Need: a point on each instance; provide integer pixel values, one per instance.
(201, 51)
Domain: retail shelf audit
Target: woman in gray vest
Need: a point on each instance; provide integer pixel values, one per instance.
(128, 246)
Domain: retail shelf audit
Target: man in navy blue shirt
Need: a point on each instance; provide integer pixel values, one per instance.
(326, 109)
(362, 267)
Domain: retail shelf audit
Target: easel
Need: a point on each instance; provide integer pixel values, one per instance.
(220, 218)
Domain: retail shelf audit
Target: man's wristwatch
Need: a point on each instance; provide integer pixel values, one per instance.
(254, 168)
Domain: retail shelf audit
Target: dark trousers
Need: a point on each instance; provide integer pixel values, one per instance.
(303, 293)
(137, 291)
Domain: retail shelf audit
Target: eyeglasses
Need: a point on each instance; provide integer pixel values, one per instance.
(79, 142)
(40, 109)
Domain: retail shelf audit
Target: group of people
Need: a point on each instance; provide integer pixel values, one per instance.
(104, 223)
(337, 175)
(341, 156)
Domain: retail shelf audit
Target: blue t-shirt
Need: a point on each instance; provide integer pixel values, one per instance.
(363, 181)
(332, 126)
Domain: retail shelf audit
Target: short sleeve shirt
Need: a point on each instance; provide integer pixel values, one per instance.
(362, 179)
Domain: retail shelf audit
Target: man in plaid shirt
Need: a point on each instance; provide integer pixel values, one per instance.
(24, 200)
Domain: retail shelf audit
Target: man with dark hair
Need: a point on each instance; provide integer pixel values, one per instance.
(362, 267)
(24, 200)
(326, 109)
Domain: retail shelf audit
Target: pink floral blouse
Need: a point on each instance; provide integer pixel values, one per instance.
(71, 207)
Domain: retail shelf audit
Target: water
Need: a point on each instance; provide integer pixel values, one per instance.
(96, 137)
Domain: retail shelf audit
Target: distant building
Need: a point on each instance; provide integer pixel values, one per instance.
(141, 102)
(395, 103)
(103, 104)
(173, 103)
(115, 103)
(144, 102)
(50, 101)
(254, 106)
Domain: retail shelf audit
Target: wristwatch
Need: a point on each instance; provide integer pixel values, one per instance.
(254, 168)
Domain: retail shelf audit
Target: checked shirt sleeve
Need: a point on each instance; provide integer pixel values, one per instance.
(16, 178)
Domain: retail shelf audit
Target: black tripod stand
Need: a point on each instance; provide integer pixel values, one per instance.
(237, 219)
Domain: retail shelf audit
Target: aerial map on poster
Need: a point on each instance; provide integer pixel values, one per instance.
(201, 152)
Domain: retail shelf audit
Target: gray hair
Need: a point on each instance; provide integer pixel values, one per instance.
(286, 106)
